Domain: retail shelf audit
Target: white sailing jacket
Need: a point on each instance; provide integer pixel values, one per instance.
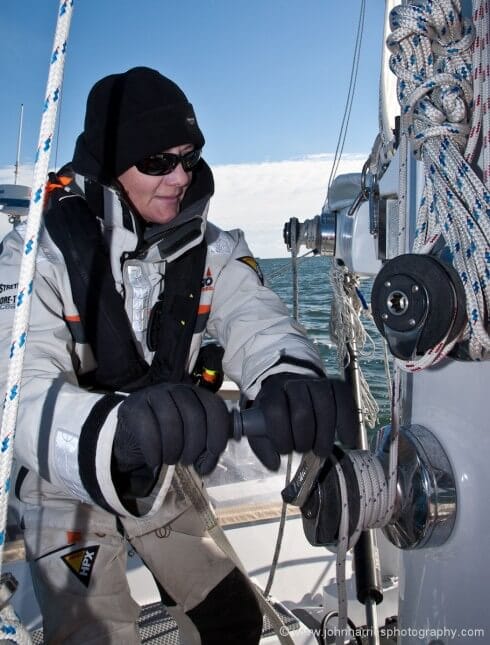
(245, 317)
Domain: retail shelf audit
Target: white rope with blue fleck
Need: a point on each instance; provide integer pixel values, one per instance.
(434, 53)
(26, 276)
(480, 123)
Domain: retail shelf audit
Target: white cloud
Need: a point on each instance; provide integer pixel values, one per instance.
(258, 198)
(261, 198)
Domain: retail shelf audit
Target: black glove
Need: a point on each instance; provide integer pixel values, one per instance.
(300, 415)
(165, 424)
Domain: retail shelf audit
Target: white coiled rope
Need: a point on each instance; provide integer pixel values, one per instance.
(15, 632)
(377, 497)
(436, 56)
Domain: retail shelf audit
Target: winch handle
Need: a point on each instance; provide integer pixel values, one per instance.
(248, 423)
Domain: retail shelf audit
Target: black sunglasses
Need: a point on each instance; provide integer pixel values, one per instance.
(164, 162)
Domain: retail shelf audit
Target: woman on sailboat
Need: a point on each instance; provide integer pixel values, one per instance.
(130, 276)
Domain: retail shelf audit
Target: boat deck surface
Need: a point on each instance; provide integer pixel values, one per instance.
(157, 627)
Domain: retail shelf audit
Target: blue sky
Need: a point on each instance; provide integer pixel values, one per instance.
(268, 78)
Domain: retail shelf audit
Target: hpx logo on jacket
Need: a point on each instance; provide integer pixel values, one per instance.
(81, 563)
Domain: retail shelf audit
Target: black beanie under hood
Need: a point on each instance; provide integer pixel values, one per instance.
(130, 116)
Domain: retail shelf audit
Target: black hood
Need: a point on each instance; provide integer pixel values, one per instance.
(130, 116)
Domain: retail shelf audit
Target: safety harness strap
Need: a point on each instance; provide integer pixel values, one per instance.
(76, 232)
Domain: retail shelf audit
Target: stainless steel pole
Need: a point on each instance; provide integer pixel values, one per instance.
(19, 143)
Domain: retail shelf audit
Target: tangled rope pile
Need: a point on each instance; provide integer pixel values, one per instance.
(441, 62)
(346, 328)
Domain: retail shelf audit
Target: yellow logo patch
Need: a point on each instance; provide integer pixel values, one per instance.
(253, 264)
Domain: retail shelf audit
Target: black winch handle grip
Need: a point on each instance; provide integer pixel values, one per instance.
(248, 423)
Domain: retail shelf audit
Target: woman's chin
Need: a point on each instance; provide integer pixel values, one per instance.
(161, 217)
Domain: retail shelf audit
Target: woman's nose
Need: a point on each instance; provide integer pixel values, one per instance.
(179, 176)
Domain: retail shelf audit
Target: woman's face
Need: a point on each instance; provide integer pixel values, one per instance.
(157, 198)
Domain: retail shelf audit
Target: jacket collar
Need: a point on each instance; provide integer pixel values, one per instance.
(124, 233)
